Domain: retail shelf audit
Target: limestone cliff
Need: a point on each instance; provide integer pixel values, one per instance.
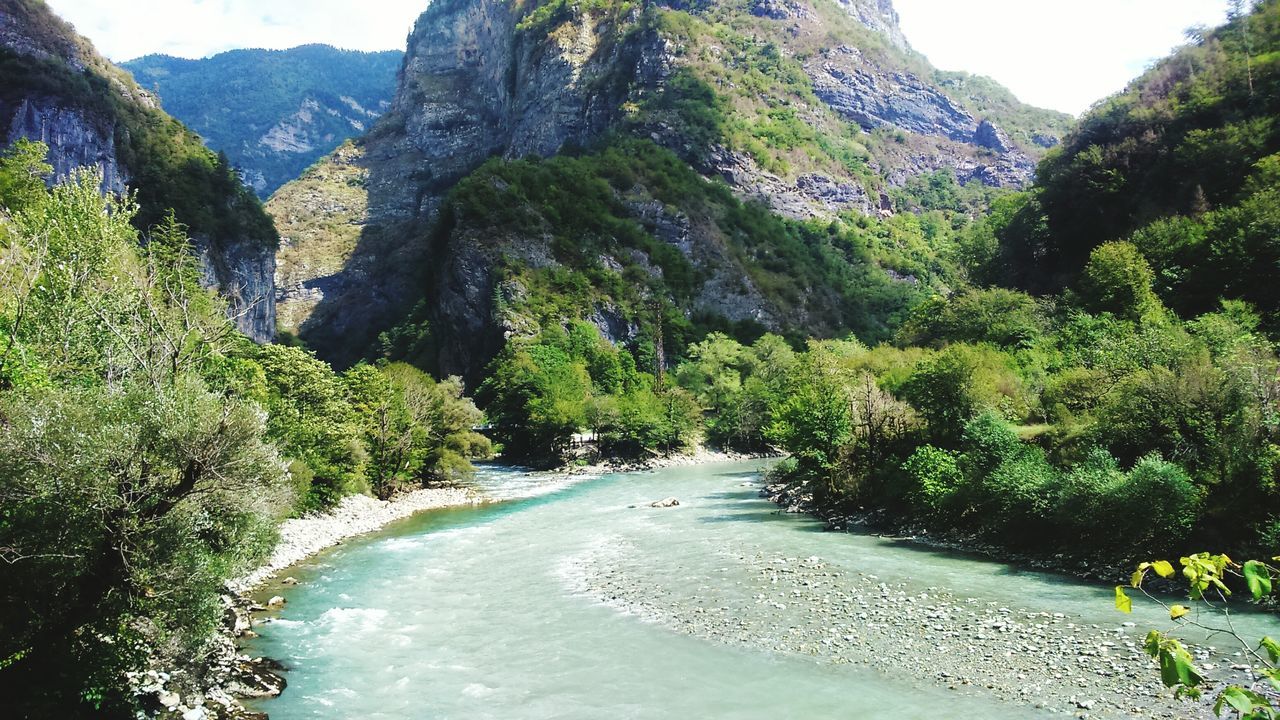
(54, 88)
(812, 108)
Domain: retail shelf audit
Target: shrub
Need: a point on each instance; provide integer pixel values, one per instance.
(1118, 280)
(1158, 503)
(934, 476)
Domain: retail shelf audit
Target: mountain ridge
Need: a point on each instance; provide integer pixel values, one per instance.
(727, 87)
(273, 112)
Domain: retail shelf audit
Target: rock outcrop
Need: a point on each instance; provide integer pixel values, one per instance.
(865, 93)
(55, 89)
(877, 15)
(75, 138)
(483, 79)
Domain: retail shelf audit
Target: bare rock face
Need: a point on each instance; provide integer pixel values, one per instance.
(75, 138)
(473, 87)
(877, 15)
(991, 137)
(244, 274)
(865, 93)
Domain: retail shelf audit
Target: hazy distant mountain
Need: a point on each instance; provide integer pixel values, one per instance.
(274, 112)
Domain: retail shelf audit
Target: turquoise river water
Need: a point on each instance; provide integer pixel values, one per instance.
(478, 612)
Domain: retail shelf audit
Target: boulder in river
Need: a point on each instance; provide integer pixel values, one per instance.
(665, 503)
(257, 678)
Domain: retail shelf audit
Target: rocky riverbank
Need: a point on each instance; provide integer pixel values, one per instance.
(355, 515)
(212, 685)
(1128, 684)
(1053, 663)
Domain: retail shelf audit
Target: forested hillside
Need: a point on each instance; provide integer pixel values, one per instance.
(1182, 164)
(273, 112)
(1137, 387)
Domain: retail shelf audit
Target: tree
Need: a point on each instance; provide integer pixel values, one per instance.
(129, 489)
(1118, 280)
(120, 510)
(23, 170)
(311, 420)
(941, 389)
(1207, 577)
(389, 429)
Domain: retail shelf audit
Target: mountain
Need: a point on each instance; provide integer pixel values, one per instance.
(1185, 164)
(56, 89)
(273, 112)
(659, 168)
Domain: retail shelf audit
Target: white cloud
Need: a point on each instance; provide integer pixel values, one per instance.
(198, 28)
(1061, 54)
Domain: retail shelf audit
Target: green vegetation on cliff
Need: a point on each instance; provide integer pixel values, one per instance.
(167, 164)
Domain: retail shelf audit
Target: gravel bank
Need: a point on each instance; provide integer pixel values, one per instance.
(354, 515)
(804, 606)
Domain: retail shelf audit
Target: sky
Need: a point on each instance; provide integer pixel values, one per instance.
(1060, 54)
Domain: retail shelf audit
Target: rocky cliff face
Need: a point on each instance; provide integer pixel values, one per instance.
(75, 138)
(751, 92)
(55, 89)
(474, 86)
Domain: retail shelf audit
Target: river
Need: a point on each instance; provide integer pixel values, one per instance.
(575, 599)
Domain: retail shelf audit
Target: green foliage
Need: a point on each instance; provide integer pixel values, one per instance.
(311, 421)
(129, 488)
(934, 476)
(1210, 575)
(741, 386)
(1118, 280)
(1005, 318)
(1182, 164)
(942, 391)
(22, 174)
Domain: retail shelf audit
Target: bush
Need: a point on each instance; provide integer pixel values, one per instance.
(941, 389)
(1158, 504)
(1118, 280)
(934, 476)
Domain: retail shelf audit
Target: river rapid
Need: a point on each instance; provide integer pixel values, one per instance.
(572, 598)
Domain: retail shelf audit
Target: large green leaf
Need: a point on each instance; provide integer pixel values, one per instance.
(1258, 578)
(1272, 648)
(1123, 603)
